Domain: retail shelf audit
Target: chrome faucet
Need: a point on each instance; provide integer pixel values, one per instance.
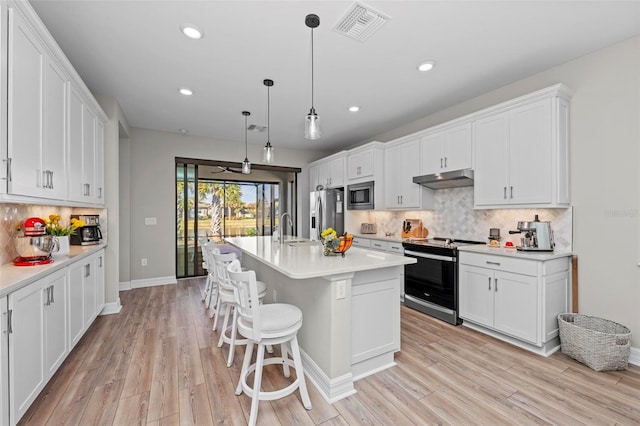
(282, 225)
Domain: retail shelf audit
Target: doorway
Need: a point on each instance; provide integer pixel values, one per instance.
(213, 201)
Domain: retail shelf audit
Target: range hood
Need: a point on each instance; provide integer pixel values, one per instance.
(444, 180)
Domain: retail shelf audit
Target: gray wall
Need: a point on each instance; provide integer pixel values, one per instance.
(152, 190)
(605, 132)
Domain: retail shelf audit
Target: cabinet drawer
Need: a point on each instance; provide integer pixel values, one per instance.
(396, 248)
(501, 263)
(379, 245)
(361, 242)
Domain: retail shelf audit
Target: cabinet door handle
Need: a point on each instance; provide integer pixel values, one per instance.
(489, 283)
(445, 161)
(46, 302)
(100, 261)
(43, 182)
(10, 321)
(496, 286)
(401, 199)
(493, 263)
(87, 270)
(8, 161)
(505, 192)
(52, 299)
(441, 163)
(51, 181)
(99, 192)
(512, 192)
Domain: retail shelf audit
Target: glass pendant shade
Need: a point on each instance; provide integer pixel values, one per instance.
(312, 125)
(267, 153)
(246, 166)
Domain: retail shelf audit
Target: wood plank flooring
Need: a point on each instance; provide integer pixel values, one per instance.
(157, 363)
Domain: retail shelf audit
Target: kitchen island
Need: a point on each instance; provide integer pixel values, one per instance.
(350, 306)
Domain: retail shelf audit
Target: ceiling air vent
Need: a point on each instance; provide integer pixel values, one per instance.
(256, 128)
(360, 22)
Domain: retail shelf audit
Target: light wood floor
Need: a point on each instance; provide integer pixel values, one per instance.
(157, 363)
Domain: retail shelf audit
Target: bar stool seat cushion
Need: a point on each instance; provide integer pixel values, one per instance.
(277, 318)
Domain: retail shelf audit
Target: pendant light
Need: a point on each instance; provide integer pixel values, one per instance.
(312, 121)
(246, 165)
(267, 153)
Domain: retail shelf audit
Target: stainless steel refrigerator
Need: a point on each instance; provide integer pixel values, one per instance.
(327, 211)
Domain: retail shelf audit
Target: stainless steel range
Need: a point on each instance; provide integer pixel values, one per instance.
(431, 284)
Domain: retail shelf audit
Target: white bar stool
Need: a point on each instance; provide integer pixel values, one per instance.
(226, 298)
(211, 288)
(262, 325)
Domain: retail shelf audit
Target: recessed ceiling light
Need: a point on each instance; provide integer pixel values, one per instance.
(426, 65)
(191, 31)
(354, 108)
(186, 92)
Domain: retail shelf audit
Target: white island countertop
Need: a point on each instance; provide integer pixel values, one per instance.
(298, 258)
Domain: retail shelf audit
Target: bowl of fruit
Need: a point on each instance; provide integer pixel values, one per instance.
(345, 242)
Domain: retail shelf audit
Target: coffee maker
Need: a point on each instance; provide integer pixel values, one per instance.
(538, 235)
(89, 233)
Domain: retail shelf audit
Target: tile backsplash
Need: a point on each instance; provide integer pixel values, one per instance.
(454, 216)
(11, 215)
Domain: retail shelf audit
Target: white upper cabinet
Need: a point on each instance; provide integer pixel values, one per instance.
(36, 117)
(48, 139)
(366, 163)
(328, 172)
(522, 152)
(401, 164)
(447, 150)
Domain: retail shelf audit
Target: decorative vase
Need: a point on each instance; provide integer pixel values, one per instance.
(63, 246)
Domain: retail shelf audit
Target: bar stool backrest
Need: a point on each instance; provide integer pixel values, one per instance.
(246, 293)
(222, 260)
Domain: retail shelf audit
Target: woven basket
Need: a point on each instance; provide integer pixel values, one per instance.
(596, 342)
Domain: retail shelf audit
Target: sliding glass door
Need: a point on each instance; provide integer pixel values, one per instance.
(210, 209)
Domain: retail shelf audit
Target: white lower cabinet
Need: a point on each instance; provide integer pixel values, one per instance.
(43, 321)
(515, 299)
(37, 339)
(4, 363)
(86, 294)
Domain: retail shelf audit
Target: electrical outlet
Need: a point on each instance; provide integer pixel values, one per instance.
(143, 261)
(341, 289)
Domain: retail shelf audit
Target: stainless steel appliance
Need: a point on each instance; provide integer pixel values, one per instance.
(360, 196)
(431, 284)
(538, 235)
(453, 179)
(89, 233)
(327, 211)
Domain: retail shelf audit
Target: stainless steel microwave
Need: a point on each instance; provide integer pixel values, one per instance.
(360, 196)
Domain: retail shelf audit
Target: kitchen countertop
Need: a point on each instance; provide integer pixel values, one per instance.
(394, 238)
(13, 277)
(305, 259)
(513, 252)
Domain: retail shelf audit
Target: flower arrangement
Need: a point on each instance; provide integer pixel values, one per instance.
(54, 227)
(330, 240)
(332, 243)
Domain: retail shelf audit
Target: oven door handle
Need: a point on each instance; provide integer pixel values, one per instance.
(429, 256)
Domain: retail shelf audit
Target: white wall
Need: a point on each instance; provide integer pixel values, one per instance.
(605, 132)
(152, 190)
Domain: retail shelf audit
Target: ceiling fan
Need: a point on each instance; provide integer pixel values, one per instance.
(225, 169)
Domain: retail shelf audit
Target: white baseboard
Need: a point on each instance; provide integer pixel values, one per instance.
(634, 358)
(125, 285)
(111, 308)
(151, 282)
